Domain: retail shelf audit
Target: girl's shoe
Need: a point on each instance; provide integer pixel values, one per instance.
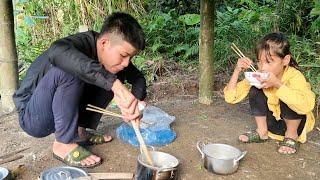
(253, 137)
(289, 142)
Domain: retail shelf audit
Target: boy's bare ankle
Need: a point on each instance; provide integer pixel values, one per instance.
(62, 149)
(58, 145)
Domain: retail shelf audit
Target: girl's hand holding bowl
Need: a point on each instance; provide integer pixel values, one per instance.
(271, 81)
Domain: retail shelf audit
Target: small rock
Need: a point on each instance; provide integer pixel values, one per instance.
(290, 176)
(311, 173)
(34, 157)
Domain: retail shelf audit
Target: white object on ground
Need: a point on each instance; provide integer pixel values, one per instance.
(141, 106)
(3, 173)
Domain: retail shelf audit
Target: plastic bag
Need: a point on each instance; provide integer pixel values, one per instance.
(154, 128)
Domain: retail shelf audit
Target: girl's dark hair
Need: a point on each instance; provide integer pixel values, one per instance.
(278, 44)
(127, 27)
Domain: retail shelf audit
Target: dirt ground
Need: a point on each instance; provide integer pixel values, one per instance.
(218, 123)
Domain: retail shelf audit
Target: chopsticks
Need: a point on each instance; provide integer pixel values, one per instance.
(135, 125)
(241, 55)
(102, 111)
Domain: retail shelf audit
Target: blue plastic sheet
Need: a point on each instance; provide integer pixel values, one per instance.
(154, 128)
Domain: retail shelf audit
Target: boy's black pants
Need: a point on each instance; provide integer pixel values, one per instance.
(58, 106)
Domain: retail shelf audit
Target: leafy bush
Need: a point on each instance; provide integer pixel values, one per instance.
(172, 35)
(242, 26)
(180, 6)
(294, 16)
(172, 29)
(315, 23)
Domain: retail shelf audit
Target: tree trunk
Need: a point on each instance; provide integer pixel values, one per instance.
(8, 56)
(206, 40)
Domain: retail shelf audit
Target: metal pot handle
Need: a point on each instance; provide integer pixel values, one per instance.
(240, 157)
(200, 145)
(171, 169)
(64, 175)
(153, 148)
(148, 146)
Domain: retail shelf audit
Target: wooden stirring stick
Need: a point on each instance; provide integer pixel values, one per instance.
(143, 146)
(135, 125)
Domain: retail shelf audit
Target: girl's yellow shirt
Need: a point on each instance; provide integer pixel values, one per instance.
(295, 92)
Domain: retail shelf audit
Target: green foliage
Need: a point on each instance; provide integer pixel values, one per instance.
(242, 26)
(294, 16)
(172, 29)
(190, 19)
(39, 23)
(172, 35)
(315, 23)
(180, 6)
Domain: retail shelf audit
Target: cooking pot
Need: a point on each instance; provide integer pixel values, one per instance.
(63, 172)
(165, 167)
(220, 158)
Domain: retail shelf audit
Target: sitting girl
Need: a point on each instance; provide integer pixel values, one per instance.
(282, 107)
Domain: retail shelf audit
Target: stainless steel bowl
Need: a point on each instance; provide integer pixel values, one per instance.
(63, 172)
(220, 158)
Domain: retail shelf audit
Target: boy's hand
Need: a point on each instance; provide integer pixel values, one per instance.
(270, 81)
(126, 101)
(243, 64)
(135, 116)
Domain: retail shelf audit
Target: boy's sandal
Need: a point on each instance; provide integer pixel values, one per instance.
(94, 139)
(75, 157)
(289, 142)
(253, 137)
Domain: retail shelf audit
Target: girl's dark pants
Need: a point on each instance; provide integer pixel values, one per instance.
(259, 107)
(58, 106)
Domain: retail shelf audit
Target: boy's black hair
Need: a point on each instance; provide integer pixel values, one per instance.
(279, 44)
(127, 27)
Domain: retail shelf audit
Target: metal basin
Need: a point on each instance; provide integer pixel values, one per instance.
(220, 158)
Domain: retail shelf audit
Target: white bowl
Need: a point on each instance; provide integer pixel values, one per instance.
(252, 78)
(3, 173)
